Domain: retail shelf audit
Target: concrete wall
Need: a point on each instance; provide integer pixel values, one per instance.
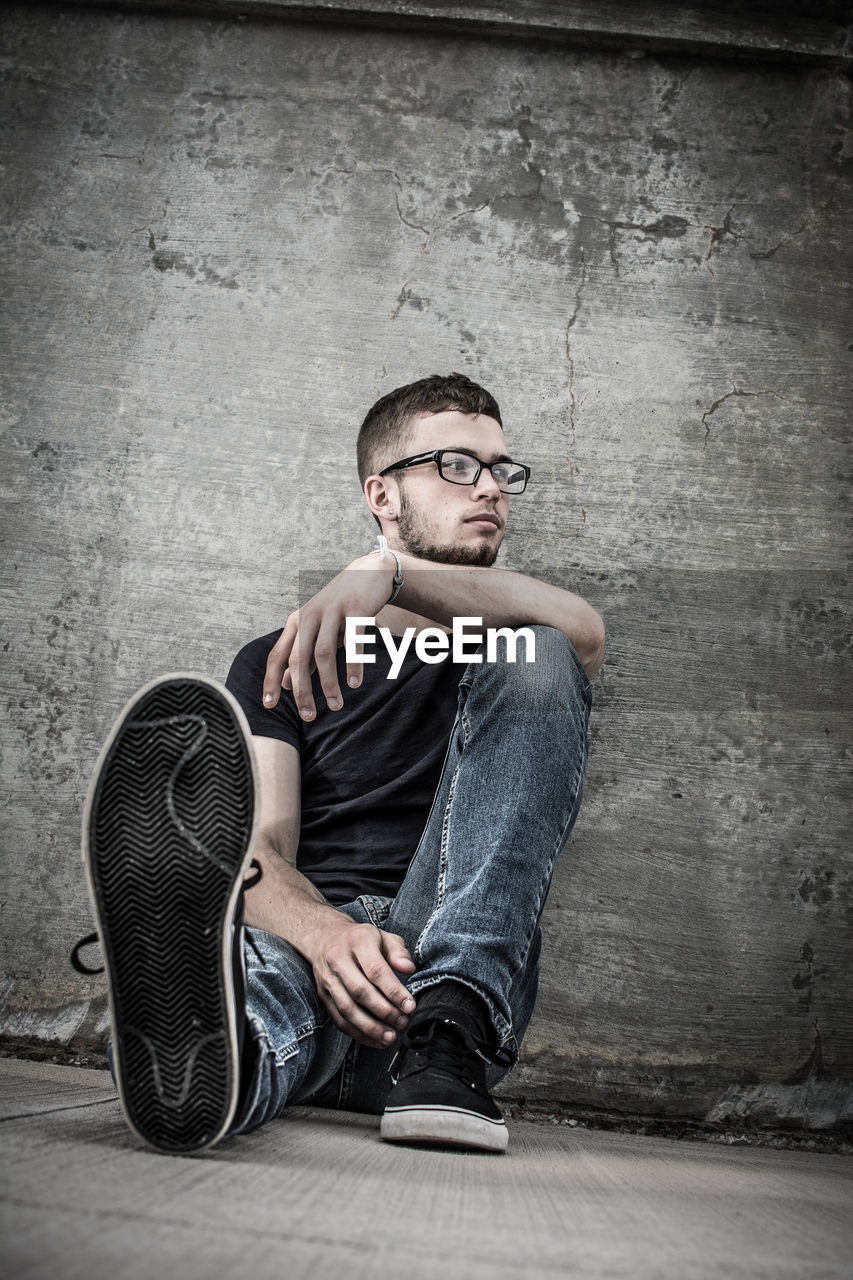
(224, 239)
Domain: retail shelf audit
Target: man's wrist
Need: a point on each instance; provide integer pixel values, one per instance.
(385, 552)
(326, 923)
(372, 563)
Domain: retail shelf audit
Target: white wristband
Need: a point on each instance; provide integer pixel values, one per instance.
(382, 549)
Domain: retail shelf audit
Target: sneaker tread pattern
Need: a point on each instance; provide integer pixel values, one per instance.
(169, 830)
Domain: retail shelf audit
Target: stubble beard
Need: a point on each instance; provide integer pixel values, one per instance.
(415, 539)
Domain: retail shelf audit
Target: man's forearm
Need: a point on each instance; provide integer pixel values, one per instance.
(502, 598)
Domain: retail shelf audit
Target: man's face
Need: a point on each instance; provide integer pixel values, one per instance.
(453, 523)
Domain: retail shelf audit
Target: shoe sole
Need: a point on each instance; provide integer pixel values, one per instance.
(449, 1126)
(168, 830)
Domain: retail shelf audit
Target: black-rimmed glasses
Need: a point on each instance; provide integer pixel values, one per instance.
(464, 468)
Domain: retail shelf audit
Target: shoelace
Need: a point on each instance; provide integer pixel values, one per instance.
(91, 938)
(450, 1048)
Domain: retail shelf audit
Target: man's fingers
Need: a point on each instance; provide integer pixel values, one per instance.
(365, 973)
(287, 679)
(397, 954)
(300, 668)
(359, 987)
(308, 643)
(350, 1017)
(326, 658)
(376, 958)
(277, 664)
(355, 671)
(349, 1029)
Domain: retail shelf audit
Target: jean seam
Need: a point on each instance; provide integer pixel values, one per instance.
(283, 1053)
(347, 1070)
(441, 879)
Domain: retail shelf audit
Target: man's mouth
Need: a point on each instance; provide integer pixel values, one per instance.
(484, 521)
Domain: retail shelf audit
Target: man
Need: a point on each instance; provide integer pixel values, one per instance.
(384, 956)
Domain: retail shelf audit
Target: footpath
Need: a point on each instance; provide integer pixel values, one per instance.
(316, 1194)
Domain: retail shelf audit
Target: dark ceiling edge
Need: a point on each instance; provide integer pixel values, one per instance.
(834, 57)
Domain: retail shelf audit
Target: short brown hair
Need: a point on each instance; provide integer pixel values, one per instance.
(387, 422)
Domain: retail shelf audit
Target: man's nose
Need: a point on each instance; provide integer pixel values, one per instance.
(486, 483)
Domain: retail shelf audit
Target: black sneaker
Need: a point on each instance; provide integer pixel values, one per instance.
(167, 835)
(438, 1091)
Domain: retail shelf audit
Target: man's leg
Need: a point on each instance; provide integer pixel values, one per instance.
(472, 900)
(470, 906)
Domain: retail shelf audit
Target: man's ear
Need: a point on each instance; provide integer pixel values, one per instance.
(382, 495)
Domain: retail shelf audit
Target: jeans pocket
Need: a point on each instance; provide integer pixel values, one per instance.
(376, 908)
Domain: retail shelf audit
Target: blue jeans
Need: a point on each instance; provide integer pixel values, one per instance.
(471, 903)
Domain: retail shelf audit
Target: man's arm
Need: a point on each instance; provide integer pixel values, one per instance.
(502, 598)
(353, 963)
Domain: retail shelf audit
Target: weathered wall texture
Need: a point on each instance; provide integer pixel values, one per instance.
(223, 240)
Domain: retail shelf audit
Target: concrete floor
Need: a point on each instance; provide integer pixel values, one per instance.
(317, 1195)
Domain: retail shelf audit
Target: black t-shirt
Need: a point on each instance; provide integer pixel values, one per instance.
(369, 771)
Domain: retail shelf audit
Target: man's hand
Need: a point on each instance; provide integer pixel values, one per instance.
(313, 634)
(354, 970)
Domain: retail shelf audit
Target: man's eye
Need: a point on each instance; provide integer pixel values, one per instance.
(458, 465)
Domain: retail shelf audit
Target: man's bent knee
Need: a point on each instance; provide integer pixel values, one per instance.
(541, 663)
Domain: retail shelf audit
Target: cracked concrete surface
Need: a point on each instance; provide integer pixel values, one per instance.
(222, 241)
(721, 400)
(570, 324)
(316, 1194)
